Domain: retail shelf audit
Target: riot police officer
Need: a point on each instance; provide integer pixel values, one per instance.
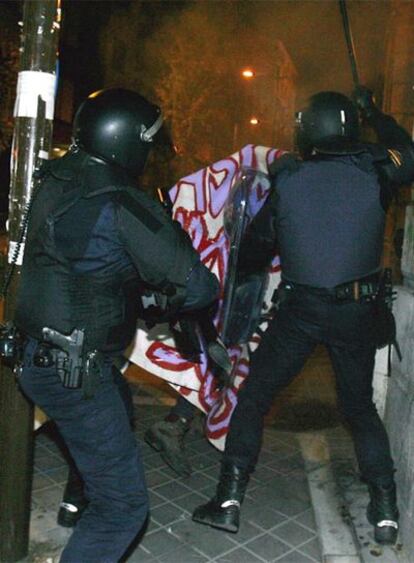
(93, 242)
(326, 213)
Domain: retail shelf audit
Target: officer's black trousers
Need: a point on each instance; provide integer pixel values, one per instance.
(309, 317)
(99, 437)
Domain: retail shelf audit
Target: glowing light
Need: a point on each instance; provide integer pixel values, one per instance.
(254, 121)
(247, 73)
(94, 94)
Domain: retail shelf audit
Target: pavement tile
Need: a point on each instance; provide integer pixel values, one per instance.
(156, 477)
(40, 481)
(58, 475)
(267, 547)
(276, 447)
(155, 500)
(202, 462)
(154, 461)
(262, 516)
(290, 488)
(172, 490)
(292, 533)
(187, 530)
(239, 555)
(49, 461)
(141, 556)
(292, 507)
(52, 540)
(294, 557)
(210, 542)
(199, 481)
(263, 474)
(266, 457)
(160, 542)
(247, 531)
(152, 526)
(194, 437)
(190, 501)
(307, 519)
(145, 449)
(272, 500)
(42, 520)
(184, 554)
(312, 549)
(50, 497)
(287, 464)
(55, 447)
(41, 438)
(203, 446)
(166, 514)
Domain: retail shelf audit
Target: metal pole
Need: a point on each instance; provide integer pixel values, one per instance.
(32, 140)
(349, 42)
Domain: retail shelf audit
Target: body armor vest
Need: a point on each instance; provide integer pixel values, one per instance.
(330, 222)
(53, 292)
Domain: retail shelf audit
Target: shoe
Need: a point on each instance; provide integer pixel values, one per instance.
(69, 514)
(382, 513)
(167, 437)
(223, 511)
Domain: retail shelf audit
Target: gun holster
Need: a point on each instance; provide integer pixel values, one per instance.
(75, 366)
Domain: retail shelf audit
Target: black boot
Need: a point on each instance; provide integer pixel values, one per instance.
(223, 510)
(382, 513)
(73, 502)
(167, 437)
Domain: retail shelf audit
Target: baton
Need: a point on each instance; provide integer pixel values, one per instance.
(349, 42)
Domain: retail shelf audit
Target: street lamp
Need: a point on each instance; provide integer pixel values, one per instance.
(247, 73)
(254, 121)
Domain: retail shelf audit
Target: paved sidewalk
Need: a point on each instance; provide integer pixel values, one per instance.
(307, 454)
(278, 522)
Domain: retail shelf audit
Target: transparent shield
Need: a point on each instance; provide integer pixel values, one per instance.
(242, 303)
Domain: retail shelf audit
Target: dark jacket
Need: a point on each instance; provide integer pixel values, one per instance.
(94, 243)
(326, 215)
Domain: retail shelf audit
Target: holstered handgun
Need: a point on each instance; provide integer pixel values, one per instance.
(75, 366)
(69, 366)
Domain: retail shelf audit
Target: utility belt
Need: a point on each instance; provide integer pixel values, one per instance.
(361, 290)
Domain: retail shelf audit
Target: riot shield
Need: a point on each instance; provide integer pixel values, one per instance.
(243, 296)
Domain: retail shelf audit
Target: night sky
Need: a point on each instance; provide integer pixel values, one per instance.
(311, 31)
(313, 35)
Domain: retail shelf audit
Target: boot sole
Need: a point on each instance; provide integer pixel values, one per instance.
(392, 540)
(225, 527)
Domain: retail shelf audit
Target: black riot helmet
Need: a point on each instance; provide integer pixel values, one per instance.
(328, 124)
(117, 126)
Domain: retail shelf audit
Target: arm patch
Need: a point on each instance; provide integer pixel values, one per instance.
(140, 212)
(396, 157)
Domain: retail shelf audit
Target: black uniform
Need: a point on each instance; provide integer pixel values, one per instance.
(94, 241)
(329, 221)
(326, 215)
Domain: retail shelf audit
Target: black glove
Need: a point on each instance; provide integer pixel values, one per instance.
(364, 99)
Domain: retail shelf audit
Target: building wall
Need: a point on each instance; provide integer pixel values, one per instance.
(399, 416)
(398, 100)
